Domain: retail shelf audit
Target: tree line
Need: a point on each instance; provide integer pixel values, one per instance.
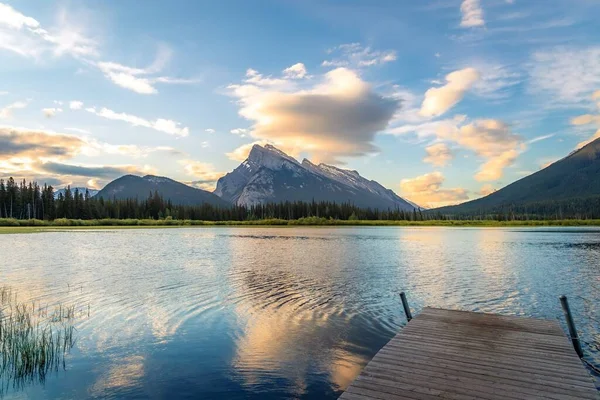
(29, 200)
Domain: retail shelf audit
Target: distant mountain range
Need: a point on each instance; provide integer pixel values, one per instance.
(576, 176)
(92, 192)
(132, 187)
(270, 175)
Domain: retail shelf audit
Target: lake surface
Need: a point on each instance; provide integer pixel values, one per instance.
(271, 313)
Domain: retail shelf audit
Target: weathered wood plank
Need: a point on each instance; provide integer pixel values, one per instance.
(450, 354)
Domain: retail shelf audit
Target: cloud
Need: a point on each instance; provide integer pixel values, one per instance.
(486, 189)
(296, 71)
(7, 112)
(339, 116)
(161, 125)
(565, 75)
(51, 112)
(354, 55)
(241, 132)
(78, 130)
(439, 154)
(540, 138)
(141, 80)
(43, 155)
(21, 145)
(25, 36)
(490, 139)
(75, 105)
(209, 130)
(205, 172)
(588, 119)
(427, 190)
(94, 171)
(496, 81)
(439, 100)
(472, 14)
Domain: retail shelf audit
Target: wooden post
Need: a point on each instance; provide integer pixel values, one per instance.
(571, 325)
(405, 305)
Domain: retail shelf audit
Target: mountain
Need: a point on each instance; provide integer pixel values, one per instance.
(92, 192)
(270, 175)
(132, 186)
(573, 177)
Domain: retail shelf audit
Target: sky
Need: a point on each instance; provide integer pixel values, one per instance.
(442, 101)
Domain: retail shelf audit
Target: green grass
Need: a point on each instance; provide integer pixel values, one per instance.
(33, 226)
(33, 339)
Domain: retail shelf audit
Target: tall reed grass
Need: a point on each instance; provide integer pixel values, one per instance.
(33, 339)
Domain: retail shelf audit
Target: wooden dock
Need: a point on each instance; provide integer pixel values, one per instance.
(443, 354)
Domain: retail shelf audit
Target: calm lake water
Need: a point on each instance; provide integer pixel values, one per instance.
(278, 312)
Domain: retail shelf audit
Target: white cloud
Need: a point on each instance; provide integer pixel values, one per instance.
(354, 55)
(79, 130)
(209, 130)
(472, 14)
(439, 100)
(540, 138)
(565, 75)
(141, 80)
(296, 71)
(51, 112)
(162, 125)
(7, 111)
(439, 154)
(24, 35)
(427, 190)
(338, 116)
(75, 105)
(241, 132)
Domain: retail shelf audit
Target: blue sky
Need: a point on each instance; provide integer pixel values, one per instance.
(441, 101)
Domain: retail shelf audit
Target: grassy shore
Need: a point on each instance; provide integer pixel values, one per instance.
(31, 226)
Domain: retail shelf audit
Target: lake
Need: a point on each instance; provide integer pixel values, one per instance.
(270, 313)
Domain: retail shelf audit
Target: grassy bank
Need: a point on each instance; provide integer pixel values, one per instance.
(33, 225)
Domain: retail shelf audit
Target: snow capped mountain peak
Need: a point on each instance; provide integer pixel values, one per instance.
(270, 175)
(269, 157)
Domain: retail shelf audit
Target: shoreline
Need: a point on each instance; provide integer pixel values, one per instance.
(34, 226)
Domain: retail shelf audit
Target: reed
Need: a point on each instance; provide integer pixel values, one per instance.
(33, 339)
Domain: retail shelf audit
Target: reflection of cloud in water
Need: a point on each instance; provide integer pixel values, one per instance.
(293, 321)
(123, 373)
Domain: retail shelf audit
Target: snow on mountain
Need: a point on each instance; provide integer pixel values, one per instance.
(270, 175)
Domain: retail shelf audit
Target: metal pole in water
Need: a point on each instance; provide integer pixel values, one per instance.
(406, 307)
(572, 330)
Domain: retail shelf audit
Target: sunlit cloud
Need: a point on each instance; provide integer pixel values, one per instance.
(205, 173)
(296, 71)
(589, 119)
(439, 154)
(487, 189)
(338, 116)
(491, 139)
(427, 190)
(441, 99)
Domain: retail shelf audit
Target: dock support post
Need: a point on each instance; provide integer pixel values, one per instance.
(406, 307)
(571, 325)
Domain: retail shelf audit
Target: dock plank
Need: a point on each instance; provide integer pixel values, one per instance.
(450, 354)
